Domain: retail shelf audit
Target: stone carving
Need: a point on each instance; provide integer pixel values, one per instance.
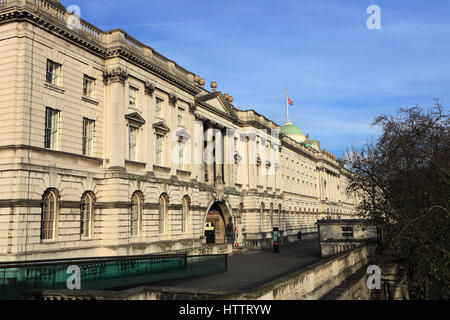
(192, 107)
(173, 99)
(115, 75)
(149, 88)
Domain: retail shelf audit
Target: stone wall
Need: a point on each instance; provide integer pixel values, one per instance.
(315, 281)
(309, 284)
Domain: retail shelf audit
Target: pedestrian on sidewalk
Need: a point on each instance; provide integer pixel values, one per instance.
(299, 236)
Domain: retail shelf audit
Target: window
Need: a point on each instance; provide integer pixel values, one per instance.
(184, 213)
(158, 107)
(181, 154)
(132, 143)
(88, 137)
(258, 167)
(88, 86)
(48, 215)
(132, 96)
(279, 215)
(53, 75)
(158, 159)
(235, 172)
(51, 128)
(87, 202)
(136, 213)
(262, 216)
(271, 215)
(163, 210)
(180, 116)
(347, 232)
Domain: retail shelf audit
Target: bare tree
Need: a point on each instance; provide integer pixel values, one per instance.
(403, 183)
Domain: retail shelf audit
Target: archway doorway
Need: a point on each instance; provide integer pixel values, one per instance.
(218, 225)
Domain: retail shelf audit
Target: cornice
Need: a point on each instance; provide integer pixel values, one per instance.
(296, 149)
(132, 57)
(200, 103)
(94, 46)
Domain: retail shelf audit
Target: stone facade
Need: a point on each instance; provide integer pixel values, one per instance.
(340, 235)
(98, 113)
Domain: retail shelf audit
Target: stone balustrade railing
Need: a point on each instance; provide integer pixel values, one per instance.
(103, 38)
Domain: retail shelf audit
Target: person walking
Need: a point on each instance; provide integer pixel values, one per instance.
(299, 236)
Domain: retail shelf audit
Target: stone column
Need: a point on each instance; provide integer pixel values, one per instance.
(197, 158)
(242, 173)
(251, 154)
(219, 156)
(150, 136)
(279, 181)
(209, 154)
(114, 81)
(228, 157)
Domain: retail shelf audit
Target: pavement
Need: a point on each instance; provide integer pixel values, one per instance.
(250, 269)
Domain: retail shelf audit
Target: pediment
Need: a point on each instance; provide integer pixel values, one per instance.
(217, 102)
(136, 118)
(183, 133)
(161, 127)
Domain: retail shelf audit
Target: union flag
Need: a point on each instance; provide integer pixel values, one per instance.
(290, 101)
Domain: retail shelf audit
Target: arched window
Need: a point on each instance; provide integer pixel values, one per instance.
(271, 215)
(87, 214)
(279, 215)
(163, 211)
(137, 206)
(185, 208)
(289, 216)
(262, 215)
(50, 207)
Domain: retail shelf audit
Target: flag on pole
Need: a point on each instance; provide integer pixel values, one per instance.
(290, 101)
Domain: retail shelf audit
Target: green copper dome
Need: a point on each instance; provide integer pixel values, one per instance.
(290, 129)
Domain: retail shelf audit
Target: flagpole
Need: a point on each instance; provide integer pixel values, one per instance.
(287, 105)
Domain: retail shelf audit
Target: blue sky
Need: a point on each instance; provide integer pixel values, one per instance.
(340, 74)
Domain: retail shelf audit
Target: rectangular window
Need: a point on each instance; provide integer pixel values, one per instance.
(180, 116)
(132, 96)
(53, 73)
(158, 159)
(88, 86)
(51, 128)
(181, 155)
(132, 143)
(158, 107)
(347, 232)
(88, 137)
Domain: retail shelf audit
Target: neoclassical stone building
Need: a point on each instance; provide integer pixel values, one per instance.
(109, 148)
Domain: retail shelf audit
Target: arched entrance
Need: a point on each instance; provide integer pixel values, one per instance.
(218, 224)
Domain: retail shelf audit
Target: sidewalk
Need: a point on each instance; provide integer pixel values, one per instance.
(250, 269)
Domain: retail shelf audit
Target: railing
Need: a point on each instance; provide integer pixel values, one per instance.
(59, 12)
(90, 30)
(134, 44)
(160, 59)
(50, 8)
(103, 273)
